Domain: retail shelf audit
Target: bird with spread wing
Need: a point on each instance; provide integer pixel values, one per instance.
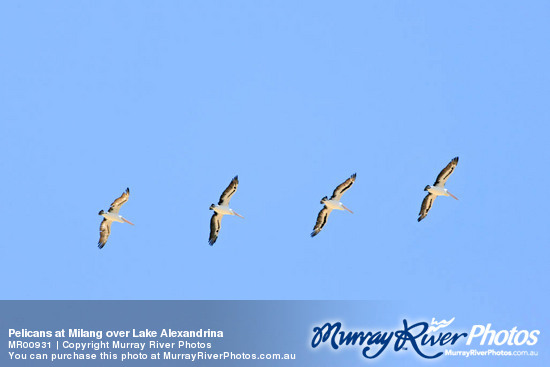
(222, 209)
(332, 204)
(438, 189)
(112, 216)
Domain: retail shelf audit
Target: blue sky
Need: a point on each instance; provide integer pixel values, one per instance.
(173, 99)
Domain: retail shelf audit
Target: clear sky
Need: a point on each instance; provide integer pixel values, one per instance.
(174, 98)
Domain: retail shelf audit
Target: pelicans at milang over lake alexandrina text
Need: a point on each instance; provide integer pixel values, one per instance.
(112, 216)
(438, 189)
(332, 203)
(222, 209)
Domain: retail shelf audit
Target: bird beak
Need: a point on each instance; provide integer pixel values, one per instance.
(343, 206)
(237, 214)
(127, 221)
(452, 195)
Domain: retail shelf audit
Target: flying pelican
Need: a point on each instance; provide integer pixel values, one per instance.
(222, 209)
(332, 203)
(112, 216)
(438, 189)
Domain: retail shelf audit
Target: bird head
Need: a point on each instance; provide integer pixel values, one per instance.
(101, 212)
(324, 199)
(212, 207)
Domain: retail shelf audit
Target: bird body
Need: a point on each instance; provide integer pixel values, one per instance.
(224, 210)
(112, 216)
(437, 190)
(335, 204)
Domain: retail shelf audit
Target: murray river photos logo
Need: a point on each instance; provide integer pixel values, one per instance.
(425, 339)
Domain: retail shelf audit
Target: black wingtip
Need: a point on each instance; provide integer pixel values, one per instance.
(313, 234)
(100, 245)
(127, 190)
(455, 159)
(212, 241)
(236, 178)
(354, 175)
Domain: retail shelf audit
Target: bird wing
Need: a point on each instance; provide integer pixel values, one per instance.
(321, 221)
(215, 225)
(228, 193)
(426, 206)
(343, 187)
(446, 172)
(115, 206)
(104, 232)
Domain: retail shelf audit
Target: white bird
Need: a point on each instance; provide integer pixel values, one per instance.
(112, 216)
(332, 203)
(222, 209)
(438, 189)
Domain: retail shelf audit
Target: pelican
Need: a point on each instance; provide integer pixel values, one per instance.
(438, 189)
(222, 209)
(112, 216)
(332, 203)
